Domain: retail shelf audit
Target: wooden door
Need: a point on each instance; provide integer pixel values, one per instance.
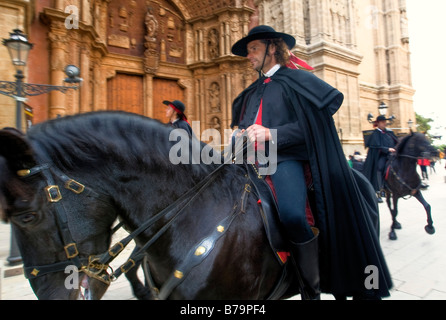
(165, 89)
(126, 92)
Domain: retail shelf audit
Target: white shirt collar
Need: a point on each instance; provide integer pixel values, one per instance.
(272, 71)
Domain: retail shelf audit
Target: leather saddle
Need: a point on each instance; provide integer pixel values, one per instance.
(270, 215)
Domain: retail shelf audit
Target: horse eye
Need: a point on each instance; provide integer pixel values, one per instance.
(29, 217)
(26, 217)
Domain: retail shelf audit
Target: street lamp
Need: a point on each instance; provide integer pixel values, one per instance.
(19, 47)
(410, 124)
(382, 109)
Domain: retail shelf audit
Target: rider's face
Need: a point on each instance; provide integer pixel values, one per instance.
(256, 54)
(382, 124)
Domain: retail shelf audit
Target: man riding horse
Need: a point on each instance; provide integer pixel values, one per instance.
(300, 107)
(381, 144)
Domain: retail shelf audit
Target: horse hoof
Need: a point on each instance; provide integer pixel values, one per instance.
(429, 229)
(396, 225)
(392, 235)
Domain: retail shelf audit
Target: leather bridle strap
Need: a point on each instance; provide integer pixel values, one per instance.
(107, 257)
(180, 204)
(54, 196)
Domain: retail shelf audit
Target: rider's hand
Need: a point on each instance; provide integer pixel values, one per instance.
(258, 133)
(392, 150)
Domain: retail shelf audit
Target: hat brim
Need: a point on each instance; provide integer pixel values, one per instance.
(178, 108)
(240, 47)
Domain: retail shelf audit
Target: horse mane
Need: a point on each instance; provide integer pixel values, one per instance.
(400, 147)
(402, 144)
(90, 139)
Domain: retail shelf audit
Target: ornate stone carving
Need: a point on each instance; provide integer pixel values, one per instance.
(151, 55)
(213, 43)
(118, 41)
(214, 97)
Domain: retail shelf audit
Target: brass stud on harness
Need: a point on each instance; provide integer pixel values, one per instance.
(35, 272)
(178, 274)
(23, 173)
(200, 250)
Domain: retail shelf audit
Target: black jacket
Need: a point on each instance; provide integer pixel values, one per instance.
(181, 124)
(278, 114)
(378, 144)
(344, 203)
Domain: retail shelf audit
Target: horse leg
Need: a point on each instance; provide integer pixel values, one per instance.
(140, 291)
(429, 228)
(395, 224)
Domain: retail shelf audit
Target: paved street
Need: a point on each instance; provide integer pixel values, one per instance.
(417, 261)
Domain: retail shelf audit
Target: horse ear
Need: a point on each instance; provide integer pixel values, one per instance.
(15, 148)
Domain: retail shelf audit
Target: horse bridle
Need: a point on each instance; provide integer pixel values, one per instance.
(54, 196)
(96, 266)
(413, 191)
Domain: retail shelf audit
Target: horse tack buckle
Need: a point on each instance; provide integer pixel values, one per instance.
(74, 186)
(53, 193)
(71, 250)
(128, 265)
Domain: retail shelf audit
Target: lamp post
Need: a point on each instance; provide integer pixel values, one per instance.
(19, 48)
(382, 109)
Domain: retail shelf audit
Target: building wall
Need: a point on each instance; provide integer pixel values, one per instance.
(359, 46)
(167, 49)
(13, 14)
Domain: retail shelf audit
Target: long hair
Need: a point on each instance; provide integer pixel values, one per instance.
(282, 53)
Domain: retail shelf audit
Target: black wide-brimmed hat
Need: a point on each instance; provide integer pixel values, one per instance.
(177, 104)
(261, 32)
(381, 118)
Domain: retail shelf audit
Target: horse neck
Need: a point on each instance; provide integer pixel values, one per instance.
(406, 162)
(158, 189)
(406, 168)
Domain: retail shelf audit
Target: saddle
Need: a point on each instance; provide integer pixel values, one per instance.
(264, 191)
(270, 215)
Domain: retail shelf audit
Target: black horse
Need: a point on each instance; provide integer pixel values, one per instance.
(403, 180)
(112, 165)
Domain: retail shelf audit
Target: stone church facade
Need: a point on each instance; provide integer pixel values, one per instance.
(135, 54)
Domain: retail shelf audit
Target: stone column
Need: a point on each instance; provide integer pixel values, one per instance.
(85, 90)
(58, 41)
(148, 101)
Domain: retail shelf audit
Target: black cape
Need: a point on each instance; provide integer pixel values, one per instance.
(182, 124)
(378, 145)
(344, 204)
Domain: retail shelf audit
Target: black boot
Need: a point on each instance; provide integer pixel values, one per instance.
(306, 259)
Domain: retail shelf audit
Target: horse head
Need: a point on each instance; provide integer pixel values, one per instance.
(417, 145)
(57, 228)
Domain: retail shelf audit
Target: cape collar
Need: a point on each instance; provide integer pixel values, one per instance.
(272, 71)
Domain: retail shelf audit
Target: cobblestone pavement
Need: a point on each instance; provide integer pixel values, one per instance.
(417, 260)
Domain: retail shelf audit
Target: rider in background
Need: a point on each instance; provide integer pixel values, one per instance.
(175, 114)
(381, 145)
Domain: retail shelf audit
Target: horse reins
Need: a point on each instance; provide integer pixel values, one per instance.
(96, 266)
(413, 191)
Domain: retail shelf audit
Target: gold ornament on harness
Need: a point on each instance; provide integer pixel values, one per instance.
(200, 250)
